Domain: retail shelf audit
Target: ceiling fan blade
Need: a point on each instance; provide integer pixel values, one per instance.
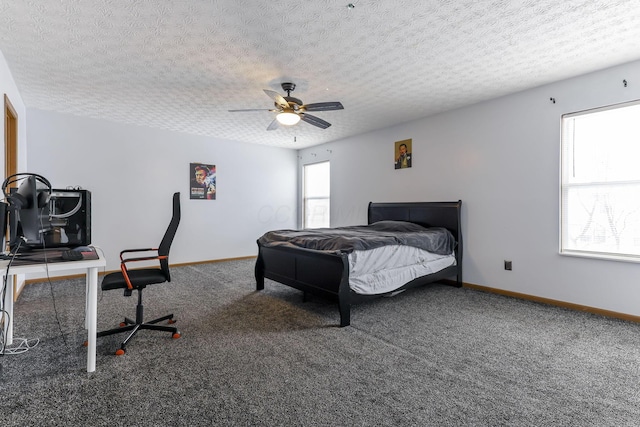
(323, 106)
(277, 97)
(313, 120)
(251, 109)
(273, 125)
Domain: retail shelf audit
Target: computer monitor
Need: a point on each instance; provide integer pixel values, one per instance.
(28, 216)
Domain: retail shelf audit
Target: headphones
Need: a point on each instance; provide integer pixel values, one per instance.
(18, 199)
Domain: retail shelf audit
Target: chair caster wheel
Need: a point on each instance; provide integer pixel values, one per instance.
(171, 321)
(120, 352)
(176, 335)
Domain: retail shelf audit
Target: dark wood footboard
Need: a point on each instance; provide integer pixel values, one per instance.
(319, 273)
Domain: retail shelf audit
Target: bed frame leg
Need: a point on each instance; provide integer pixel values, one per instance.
(345, 314)
(459, 278)
(344, 293)
(259, 273)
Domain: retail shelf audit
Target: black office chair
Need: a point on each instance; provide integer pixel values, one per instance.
(138, 279)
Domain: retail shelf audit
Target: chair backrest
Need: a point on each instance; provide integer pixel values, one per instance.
(165, 244)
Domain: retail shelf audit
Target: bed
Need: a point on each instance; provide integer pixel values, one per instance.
(326, 272)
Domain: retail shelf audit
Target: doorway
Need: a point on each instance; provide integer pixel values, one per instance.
(10, 146)
(10, 138)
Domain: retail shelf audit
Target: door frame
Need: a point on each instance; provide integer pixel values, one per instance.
(10, 138)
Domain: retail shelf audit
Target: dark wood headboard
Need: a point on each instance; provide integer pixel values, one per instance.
(428, 214)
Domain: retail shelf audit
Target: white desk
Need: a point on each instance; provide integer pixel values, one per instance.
(90, 267)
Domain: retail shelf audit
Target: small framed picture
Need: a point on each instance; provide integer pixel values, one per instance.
(202, 181)
(402, 158)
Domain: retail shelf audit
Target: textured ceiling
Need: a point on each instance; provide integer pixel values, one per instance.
(181, 64)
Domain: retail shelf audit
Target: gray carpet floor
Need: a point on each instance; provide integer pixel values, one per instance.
(433, 356)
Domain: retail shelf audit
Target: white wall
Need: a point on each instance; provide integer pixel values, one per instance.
(502, 158)
(132, 172)
(8, 87)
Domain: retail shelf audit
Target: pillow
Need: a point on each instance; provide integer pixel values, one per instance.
(396, 226)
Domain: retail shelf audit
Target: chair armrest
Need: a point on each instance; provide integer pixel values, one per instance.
(126, 251)
(123, 262)
(143, 258)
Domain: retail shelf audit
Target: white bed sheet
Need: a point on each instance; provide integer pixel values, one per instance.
(385, 269)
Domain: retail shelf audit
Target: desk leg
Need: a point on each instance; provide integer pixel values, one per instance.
(8, 307)
(86, 300)
(91, 316)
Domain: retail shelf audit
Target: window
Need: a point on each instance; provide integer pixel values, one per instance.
(315, 193)
(600, 188)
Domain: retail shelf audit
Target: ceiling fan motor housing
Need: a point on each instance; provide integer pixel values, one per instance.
(288, 87)
(294, 103)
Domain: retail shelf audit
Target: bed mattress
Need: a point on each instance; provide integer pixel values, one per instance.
(385, 269)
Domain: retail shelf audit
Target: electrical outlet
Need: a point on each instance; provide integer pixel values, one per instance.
(508, 265)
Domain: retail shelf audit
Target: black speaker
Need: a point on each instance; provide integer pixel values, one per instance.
(4, 223)
(69, 218)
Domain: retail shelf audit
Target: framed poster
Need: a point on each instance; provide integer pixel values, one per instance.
(403, 154)
(202, 181)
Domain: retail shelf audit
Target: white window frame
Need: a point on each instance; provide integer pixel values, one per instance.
(324, 196)
(595, 222)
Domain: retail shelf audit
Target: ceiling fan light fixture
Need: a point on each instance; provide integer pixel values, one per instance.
(288, 118)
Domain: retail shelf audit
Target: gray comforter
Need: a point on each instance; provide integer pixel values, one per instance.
(437, 240)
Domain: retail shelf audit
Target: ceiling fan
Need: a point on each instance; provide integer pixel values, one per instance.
(291, 110)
